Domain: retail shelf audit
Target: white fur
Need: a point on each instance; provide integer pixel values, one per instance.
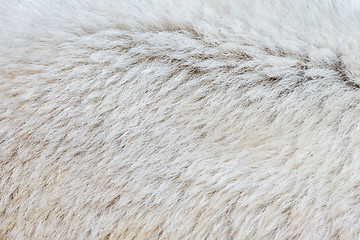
(190, 119)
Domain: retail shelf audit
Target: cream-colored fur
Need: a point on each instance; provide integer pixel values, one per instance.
(190, 119)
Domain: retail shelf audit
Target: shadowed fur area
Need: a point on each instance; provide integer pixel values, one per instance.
(192, 119)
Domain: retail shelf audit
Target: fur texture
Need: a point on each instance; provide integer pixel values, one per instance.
(179, 119)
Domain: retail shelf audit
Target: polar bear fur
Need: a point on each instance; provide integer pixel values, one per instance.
(192, 119)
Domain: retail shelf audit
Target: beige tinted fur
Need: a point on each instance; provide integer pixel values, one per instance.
(179, 119)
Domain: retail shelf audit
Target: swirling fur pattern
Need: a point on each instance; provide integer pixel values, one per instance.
(192, 119)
